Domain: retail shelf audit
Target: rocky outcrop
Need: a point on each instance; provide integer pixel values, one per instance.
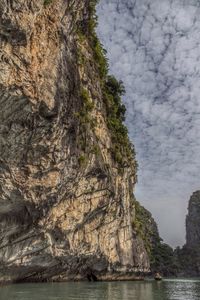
(162, 258)
(193, 222)
(67, 170)
(189, 256)
(182, 262)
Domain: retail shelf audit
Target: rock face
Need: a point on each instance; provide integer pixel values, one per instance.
(66, 204)
(189, 256)
(193, 222)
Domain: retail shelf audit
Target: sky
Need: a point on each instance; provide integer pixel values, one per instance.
(153, 46)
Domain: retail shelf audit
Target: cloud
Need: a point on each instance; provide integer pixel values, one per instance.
(154, 47)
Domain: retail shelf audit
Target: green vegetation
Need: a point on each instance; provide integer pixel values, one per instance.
(145, 227)
(188, 260)
(98, 50)
(87, 103)
(84, 115)
(122, 150)
(82, 160)
(81, 59)
(86, 31)
(47, 2)
(100, 57)
(86, 122)
(162, 258)
(80, 34)
(95, 150)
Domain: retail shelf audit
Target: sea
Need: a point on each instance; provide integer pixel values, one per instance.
(167, 289)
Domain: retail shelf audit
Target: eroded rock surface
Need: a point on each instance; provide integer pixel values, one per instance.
(66, 207)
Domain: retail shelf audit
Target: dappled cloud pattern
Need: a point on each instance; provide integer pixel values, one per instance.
(154, 47)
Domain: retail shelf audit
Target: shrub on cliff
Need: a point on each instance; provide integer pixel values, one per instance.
(122, 149)
(47, 2)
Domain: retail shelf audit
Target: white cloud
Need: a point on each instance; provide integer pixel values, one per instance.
(154, 47)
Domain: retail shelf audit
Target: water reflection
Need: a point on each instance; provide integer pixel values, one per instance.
(182, 289)
(147, 290)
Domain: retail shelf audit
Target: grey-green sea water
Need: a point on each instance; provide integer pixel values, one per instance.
(148, 290)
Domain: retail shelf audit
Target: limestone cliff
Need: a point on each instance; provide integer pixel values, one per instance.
(67, 169)
(189, 256)
(193, 221)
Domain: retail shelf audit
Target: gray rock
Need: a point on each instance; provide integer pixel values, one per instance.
(188, 256)
(66, 209)
(193, 221)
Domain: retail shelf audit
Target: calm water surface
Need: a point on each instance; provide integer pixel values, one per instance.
(147, 290)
